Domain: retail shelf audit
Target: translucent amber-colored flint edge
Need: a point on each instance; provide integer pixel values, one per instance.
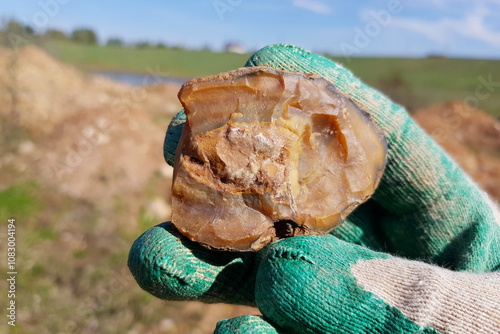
(268, 237)
(256, 245)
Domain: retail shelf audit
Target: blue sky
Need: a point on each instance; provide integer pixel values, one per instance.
(408, 28)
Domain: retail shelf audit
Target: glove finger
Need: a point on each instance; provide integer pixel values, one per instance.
(319, 284)
(245, 324)
(171, 267)
(173, 136)
(305, 285)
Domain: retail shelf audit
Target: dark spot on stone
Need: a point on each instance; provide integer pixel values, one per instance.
(285, 228)
(195, 160)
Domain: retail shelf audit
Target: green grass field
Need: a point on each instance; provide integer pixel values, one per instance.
(172, 62)
(415, 83)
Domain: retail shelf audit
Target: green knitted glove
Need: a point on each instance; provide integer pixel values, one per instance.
(355, 280)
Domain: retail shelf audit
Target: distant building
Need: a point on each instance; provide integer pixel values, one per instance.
(234, 48)
(437, 56)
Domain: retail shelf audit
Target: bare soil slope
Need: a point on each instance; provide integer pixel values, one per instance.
(470, 136)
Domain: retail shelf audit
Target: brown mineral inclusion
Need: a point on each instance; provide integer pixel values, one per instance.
(267, 154)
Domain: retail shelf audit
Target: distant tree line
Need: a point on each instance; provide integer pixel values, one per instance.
(13, 32)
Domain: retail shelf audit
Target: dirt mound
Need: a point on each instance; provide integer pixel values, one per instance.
(42, 92)
(470, 136)
(87, 136)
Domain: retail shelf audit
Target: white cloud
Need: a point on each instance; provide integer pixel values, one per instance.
(471, 25)
(474, 27)
(435, 31)
(313, 6)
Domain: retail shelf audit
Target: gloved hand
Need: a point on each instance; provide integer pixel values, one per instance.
(419, 257)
